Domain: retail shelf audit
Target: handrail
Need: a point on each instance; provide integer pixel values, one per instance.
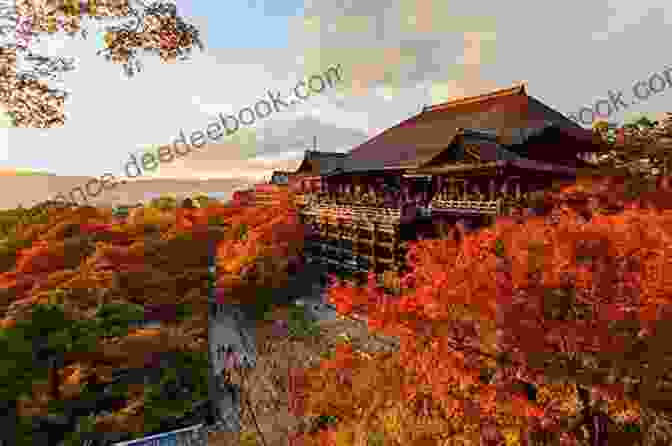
(487, 206)
(355, 212)
(466, 203)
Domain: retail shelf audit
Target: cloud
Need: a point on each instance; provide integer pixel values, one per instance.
(258, 153)
(395, 59)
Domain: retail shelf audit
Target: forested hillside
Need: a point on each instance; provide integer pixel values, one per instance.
(546, 327)
(537, 329)
(79, 285)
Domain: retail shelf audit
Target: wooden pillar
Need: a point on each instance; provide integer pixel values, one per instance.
(395, 249)
(374, 235)
(355, 242)
(338, 240)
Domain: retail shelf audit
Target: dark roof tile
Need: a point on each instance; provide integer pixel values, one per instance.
(320, 163)
(510, 115)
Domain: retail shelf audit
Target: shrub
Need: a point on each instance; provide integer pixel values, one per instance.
(300, 325)
(163, 203)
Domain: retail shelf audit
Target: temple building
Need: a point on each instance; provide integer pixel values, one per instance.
(471, 159)
(316, 165)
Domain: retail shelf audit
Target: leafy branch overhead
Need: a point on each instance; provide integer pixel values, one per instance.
(154, 28)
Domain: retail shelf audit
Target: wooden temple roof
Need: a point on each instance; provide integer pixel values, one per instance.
(320, 163)
(510, 115)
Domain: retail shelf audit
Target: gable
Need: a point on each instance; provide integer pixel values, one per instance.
(470, 146)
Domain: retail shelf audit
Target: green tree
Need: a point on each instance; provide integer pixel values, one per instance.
(113, 319)
(642, 122)
(181, 385)
(87, 425)
(183, 311)
(16, 364)
(29, 341)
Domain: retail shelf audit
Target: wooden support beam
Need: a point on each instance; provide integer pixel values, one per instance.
(375, 240)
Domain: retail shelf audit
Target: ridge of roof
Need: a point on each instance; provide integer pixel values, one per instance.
(517, 90)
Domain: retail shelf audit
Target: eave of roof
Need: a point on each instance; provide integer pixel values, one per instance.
(456, 168)
(421, 138)
(522, 163)
(312, 160)
(363, 169)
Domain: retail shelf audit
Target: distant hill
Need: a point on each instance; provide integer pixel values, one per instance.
(31, 172)
(28, 190)
(22, 172)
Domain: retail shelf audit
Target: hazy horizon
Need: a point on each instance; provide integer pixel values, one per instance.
(31, 189)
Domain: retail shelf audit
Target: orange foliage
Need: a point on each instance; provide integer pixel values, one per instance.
(7, 323)
(466, 303)
(256, 235)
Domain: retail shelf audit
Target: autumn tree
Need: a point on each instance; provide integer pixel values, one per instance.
(154, 28)
(555, 326)
(642, 146)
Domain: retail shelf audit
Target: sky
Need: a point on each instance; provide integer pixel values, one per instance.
(395, 57)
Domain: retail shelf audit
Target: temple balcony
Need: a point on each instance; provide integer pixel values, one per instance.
(489, 207)
(354, 213)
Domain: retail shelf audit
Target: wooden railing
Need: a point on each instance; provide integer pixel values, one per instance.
(300, 200)
(493, 207)
(310, 199)
(354, 213)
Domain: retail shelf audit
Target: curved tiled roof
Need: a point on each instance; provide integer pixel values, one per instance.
(510, 114)
(320, 163)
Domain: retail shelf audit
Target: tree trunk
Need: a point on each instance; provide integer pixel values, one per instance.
(54, 390)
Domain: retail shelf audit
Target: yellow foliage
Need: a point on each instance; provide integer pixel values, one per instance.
(392, 422)
(248, 439)
(511, 436)
(154, 216)
(344, 437)
(233, 265)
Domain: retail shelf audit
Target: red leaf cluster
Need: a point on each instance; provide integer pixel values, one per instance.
(522, 297)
